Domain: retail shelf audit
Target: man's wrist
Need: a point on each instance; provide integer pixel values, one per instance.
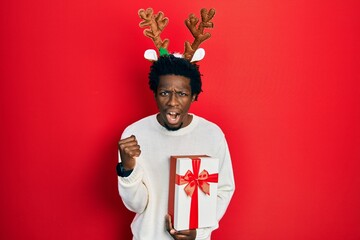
(121, 172)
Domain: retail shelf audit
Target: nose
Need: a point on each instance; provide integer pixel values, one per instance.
(173, 101)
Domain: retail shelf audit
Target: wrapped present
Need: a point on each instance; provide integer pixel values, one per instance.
(193, 191)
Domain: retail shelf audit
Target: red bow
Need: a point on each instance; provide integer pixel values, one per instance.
(202, 181)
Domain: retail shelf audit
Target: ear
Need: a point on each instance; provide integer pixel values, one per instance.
(193, 97)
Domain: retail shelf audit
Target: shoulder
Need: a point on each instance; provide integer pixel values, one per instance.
(208, 126)
(140, 126)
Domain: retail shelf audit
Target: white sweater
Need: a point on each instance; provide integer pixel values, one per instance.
(145, 191)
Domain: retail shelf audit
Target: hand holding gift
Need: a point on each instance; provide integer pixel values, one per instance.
(185, 234)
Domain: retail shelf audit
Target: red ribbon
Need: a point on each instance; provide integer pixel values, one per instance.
(193, 181)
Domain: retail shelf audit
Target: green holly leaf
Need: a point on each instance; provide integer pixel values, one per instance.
(163, 51)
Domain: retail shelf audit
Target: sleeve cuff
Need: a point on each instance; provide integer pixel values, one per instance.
(133, 178)
(121, 172)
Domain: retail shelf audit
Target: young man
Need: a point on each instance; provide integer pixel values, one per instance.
(146, 146)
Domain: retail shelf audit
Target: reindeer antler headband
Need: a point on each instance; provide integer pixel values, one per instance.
(157, 23)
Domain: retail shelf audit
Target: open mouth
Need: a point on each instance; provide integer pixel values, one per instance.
(173, 118)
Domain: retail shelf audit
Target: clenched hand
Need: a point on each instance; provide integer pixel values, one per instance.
(129, 151)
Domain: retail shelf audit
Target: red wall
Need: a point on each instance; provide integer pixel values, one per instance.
(281, 78)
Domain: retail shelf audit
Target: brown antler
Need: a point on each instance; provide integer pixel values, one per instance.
(198, 33)
(157, 23)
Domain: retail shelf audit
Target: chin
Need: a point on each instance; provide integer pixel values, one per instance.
(173, 128)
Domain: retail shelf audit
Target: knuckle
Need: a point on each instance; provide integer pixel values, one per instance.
(126, 150)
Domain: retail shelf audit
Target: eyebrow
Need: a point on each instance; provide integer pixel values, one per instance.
(174, 90)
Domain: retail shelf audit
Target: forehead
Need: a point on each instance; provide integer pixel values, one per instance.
(174, 82)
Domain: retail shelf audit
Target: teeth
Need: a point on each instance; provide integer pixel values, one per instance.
(173, 117)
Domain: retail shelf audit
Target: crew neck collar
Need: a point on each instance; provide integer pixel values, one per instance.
(179, 132)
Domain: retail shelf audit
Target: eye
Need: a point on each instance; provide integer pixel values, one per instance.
(182, 94)
(164, 93)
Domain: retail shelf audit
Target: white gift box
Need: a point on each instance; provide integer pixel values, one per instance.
(193, 191)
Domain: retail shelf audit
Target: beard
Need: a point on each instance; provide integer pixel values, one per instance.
(172, 128)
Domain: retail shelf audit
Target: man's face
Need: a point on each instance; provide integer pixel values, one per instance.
(173, 98)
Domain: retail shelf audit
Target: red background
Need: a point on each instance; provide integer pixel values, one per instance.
(280, 77)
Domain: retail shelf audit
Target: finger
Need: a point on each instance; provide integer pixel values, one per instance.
(134, 153)
(168, 222)
(183, 232)
(122, 145)
(179, 236)
(131, 145)
(128, 139)
(169, 226)
(130, 148)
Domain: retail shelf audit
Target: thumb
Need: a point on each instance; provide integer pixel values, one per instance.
(169, 226)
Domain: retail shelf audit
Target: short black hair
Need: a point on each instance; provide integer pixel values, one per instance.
(171, 65)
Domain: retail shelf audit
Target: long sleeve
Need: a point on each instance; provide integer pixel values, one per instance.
(133, 191)
(226, 185)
